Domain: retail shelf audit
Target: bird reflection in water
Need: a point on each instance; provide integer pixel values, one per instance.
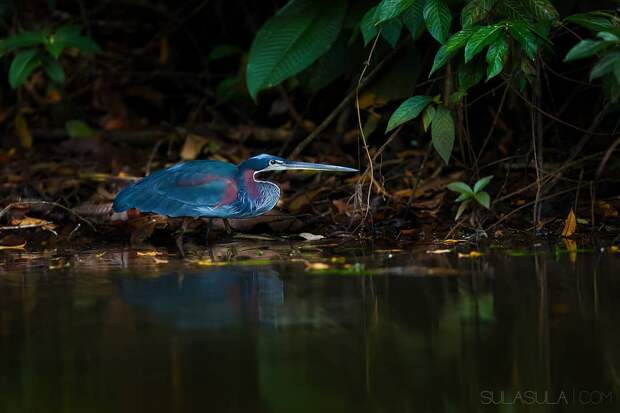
(219, 298)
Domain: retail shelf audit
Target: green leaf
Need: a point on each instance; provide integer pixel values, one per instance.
(413, 18)
(22, 66)
(442, 133)
(438, 18)
(427, 117)
(390, 30)
(78, 129)
(224, 51)
(470, 74)
(482, 183)
(496, 57)
(460, 187)
(408, 110)
(69, 36)
(54, 70)
(367, 25)
(462, 209)
(483, 199)
(25, 39)
(464, 196)
(292, 40)
(542, 9)
(388, 9)
(605, 65)
(475, 11)
(521, 31)
(456, 42)
(583, 49)
(608, 36)
(595, 21)
(480, 39)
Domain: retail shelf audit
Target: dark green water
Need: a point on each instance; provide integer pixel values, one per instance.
(427, 334)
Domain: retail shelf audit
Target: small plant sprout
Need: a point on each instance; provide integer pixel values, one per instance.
(467, 195)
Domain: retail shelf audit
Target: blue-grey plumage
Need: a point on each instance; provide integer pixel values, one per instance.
(212, 189)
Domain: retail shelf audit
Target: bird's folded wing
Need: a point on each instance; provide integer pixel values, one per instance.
(197, 188)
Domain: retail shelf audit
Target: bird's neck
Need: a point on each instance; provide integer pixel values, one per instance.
(263, 195)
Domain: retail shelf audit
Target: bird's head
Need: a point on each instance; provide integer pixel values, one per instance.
(266, 163)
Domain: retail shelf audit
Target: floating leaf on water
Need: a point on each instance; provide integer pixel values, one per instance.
(440, 251)
(148, 253)
(317, 266)
(471, 254)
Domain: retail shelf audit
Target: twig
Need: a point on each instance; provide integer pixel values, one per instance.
(54, 204)
(370, 168)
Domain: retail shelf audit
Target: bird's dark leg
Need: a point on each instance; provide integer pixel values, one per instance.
(227, 226)
(179, 238)
(209, 224)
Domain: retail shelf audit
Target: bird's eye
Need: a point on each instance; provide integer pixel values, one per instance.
(272, 162)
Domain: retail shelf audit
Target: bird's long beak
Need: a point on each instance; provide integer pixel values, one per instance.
(308, 166)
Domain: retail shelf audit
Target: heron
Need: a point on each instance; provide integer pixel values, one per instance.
(212, 189)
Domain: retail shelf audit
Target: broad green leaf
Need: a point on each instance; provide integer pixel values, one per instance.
(77, 129)
(22, 66)
(608, 36)
(460, 187)
(292, 40)
(367, 25)
(54, 70)
(427, 117)
(483, 199)
(513, 9)
(482, 183)
(69, 36)
(442, 133)
(408, 110)
(462, 209)
(542, 9)
(583, 49)
(496, 57)
(413, 18)
(521, 31)
(390, 30)
(25, 39)
(340, 58)
(595, 21)
(455, 43)
(470, 74)
(475, 11)
(224, 51)
(388, 9)
(438, 18)
(480, 39)
(605, 65)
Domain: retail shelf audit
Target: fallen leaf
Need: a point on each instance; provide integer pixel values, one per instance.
(452, 241)
(159, 261)
(23, 131)
(13, 247)
(471, 254)
(317, 266)
(570, 225)
(311, 237)
(614, 248)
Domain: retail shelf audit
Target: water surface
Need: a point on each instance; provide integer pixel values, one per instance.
(367, 331)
